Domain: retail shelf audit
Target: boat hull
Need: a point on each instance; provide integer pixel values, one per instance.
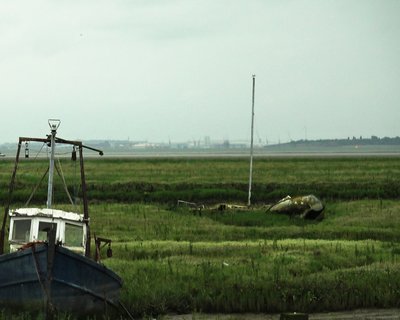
(31, 279)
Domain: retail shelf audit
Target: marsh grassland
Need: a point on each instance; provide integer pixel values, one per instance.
(174, 260)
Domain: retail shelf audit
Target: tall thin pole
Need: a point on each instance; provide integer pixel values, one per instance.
(54, 124)
(7, 206)
(51, 168)
(85, 202)
(251, 141)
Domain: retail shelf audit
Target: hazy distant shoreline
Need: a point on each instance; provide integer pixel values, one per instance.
(183, 154)
(373, 146)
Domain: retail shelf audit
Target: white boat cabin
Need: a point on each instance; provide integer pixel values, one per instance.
(29, 225)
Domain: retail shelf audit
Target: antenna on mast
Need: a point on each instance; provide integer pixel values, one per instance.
(251, 141)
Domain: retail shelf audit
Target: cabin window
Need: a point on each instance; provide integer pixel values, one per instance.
(73, 235)
(21, 230)
(44, 228)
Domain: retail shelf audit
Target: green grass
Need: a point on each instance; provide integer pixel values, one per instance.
(174, 260)
(210, 180)
(180, 261)
(355, 220)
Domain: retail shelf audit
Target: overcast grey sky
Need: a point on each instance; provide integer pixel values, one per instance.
(182, 69)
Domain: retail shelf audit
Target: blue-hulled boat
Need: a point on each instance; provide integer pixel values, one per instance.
(71, 283)
(49, 267)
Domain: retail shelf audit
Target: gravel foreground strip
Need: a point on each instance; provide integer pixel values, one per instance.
(362, 314)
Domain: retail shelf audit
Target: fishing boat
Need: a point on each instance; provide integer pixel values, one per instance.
(49, 266)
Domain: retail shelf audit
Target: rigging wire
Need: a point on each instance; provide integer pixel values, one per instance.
(61, 174)
(36, 187)
(40, 150)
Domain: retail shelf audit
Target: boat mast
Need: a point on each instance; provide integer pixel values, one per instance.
(54, 124)
(251, 141)
(49, 140)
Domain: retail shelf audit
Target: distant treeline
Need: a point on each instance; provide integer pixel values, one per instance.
(350, 141)
(135, 146)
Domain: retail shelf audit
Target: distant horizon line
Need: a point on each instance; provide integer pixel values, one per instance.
(208, 141)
